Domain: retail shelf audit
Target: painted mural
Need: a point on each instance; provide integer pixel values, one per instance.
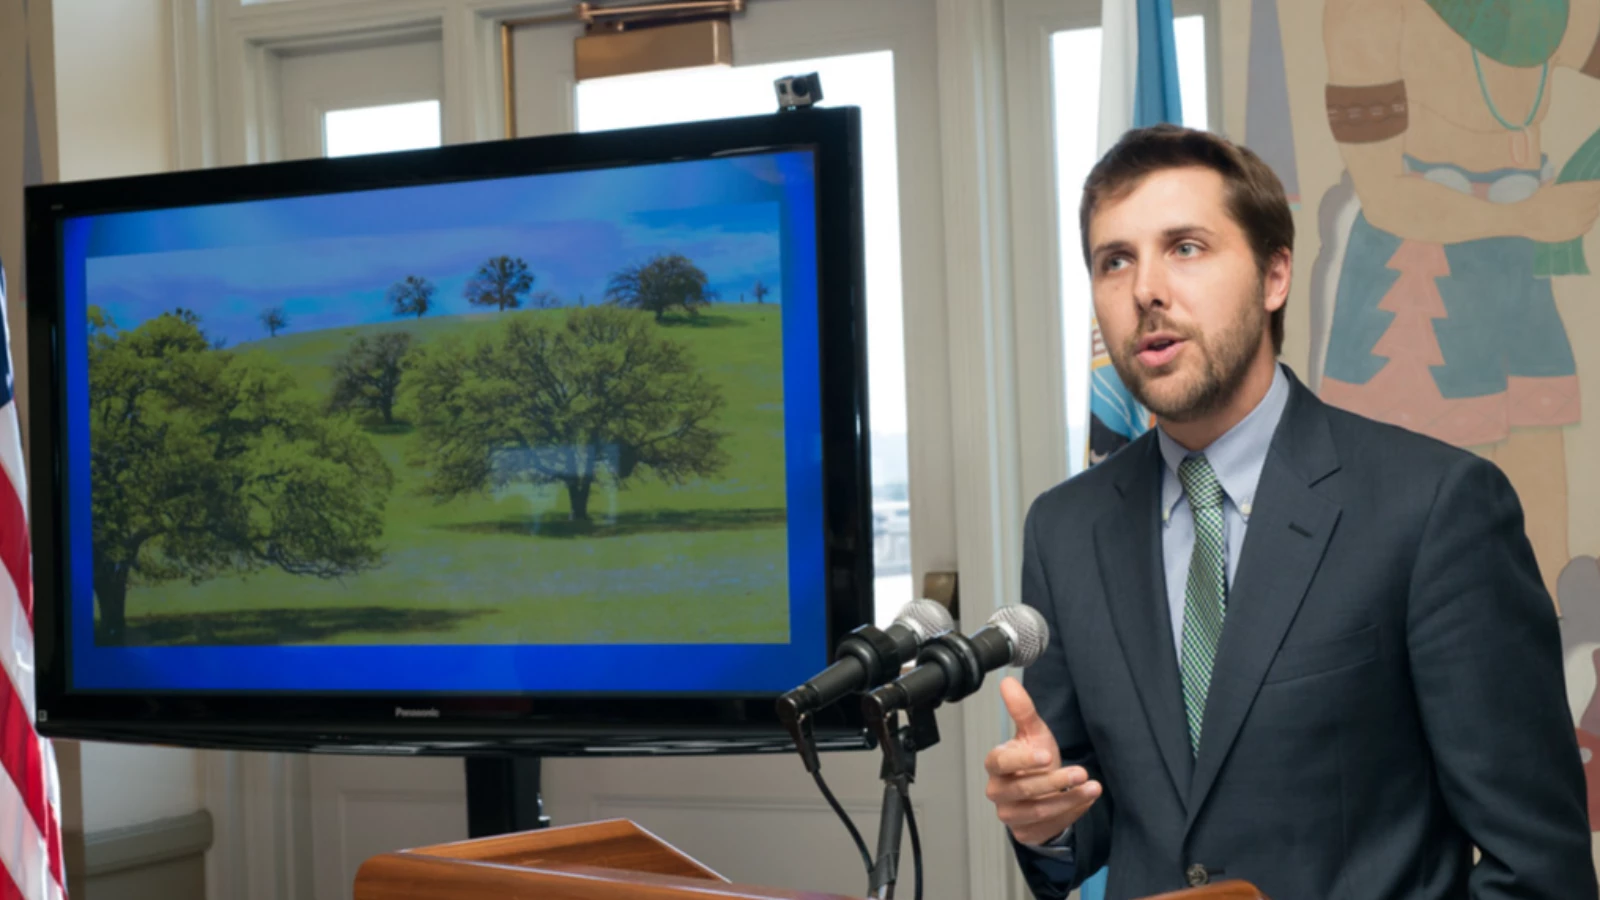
(1449, 155)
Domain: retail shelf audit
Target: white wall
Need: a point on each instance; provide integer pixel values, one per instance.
(114, 113)
(130, 785)
(113, 93)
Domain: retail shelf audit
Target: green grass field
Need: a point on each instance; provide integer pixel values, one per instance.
(699, 562)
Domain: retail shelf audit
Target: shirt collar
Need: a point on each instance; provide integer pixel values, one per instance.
(1237, 457)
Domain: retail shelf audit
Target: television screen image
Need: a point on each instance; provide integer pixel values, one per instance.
(556, 431)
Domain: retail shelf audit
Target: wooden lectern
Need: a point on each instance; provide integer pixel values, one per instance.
(606, 860)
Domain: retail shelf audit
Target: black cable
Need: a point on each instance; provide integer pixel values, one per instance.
(805, 743)
(861, 845)
(916, 840)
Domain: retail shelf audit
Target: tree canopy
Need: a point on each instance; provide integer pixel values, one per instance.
(411, 296)
(207, 462)
(367, 377)
(666, 282)
(274, 320)
(501, 282)
(545, 403)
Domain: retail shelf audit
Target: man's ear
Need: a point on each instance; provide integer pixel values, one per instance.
(1275, 283)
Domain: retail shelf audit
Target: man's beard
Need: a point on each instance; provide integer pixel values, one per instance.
(1224, 364)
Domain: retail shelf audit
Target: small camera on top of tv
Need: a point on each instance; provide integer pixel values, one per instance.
(798, 91)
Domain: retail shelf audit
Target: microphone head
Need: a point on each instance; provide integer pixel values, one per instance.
(924, 618)
(1026, 629)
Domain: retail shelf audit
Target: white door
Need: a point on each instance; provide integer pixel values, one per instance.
(761, 819)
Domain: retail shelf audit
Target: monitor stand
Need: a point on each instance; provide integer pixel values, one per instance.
(503, 795)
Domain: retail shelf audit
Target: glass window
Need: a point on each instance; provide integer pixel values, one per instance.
(380, 129)
(866, 81)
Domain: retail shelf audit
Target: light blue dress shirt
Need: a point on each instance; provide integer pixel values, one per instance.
(1237, 458)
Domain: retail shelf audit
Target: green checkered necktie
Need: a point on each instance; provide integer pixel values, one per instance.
(1206, 592)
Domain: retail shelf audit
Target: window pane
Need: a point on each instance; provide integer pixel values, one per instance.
(862, 80)
(380, 129)
(1189, 33)
(1075, 61)
(1075, 70)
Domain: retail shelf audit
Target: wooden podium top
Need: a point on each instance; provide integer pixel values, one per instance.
(595, 861)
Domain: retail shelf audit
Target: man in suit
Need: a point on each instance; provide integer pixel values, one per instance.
(1288, 645)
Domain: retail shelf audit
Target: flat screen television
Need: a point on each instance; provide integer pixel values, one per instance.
(554, 444)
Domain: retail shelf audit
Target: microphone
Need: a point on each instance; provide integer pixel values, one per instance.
(867, 657)
(951, 666)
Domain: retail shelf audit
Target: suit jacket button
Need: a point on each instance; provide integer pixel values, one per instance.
(1197, 875)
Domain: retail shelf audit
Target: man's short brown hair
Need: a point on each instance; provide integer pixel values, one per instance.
(1255, 196)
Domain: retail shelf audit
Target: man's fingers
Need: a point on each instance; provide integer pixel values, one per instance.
(1060, 809)
(1021, 708)
(1016, 757)
(1022, 789)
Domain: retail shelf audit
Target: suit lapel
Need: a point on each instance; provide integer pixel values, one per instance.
(1128, 550)
(1289, 529)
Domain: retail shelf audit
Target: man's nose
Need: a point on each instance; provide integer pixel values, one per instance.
(1150, 286)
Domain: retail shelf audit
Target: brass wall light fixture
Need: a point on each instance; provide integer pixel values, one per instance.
(631, 39)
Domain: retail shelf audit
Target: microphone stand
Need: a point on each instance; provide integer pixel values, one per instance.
(900, 744)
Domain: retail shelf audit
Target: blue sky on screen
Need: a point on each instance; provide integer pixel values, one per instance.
(330, 260)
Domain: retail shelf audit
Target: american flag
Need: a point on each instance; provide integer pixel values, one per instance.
(30, 792)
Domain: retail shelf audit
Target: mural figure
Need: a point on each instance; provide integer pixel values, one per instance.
(1433, 304)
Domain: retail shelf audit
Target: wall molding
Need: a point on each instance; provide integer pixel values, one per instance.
(147, 844)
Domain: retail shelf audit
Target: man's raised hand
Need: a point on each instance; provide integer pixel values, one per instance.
(1032, 793)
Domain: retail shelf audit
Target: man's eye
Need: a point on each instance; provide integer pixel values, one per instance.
(1188, 248)
(1112, 264)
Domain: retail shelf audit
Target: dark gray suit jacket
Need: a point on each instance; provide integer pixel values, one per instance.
(1388, 692)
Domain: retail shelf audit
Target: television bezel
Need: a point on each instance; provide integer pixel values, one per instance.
(469, 724)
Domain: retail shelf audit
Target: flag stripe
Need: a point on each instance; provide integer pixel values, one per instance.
(22, 849)
(55, 886)
(24, 762)
(14, 548)
(9, 889)
(16, 653)
(11, 460)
